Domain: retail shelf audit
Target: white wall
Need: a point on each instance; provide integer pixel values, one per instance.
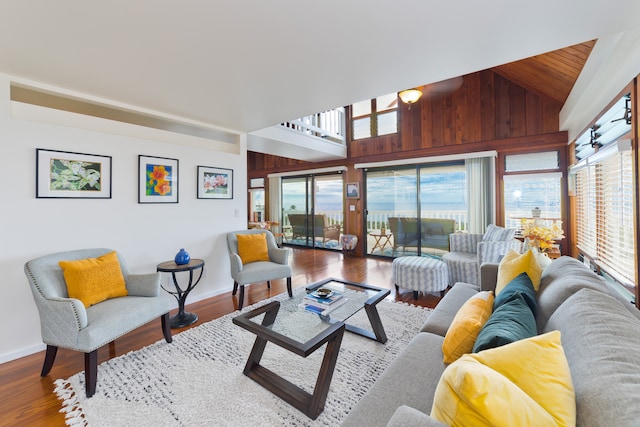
(146, 234)
(612, 64)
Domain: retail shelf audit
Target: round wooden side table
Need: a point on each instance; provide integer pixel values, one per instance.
(182, 318)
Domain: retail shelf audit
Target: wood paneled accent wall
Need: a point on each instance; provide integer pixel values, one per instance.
(486, 107)
(484, 112)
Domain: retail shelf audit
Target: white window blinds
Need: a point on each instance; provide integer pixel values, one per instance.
(585, 204)
(614, 219)
(604, 207)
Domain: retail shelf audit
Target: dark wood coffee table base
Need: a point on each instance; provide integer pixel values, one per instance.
(377, 332)
(328, 330)
(311, 405)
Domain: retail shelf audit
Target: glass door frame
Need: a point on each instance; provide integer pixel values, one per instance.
(332, 226)
(375, 235)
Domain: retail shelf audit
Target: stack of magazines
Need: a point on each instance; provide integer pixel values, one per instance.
(321, 302)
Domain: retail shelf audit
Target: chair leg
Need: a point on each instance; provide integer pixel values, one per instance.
(289, 291)
(166, 327)
(235, 288)
(241, 298)
(49, 358)
(415, 295)
(268, 284)
(397, 289)
(90, 372)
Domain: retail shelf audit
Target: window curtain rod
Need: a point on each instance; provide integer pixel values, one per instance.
(433, 159)
(308, 172)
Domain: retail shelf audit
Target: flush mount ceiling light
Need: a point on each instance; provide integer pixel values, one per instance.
(410, 96)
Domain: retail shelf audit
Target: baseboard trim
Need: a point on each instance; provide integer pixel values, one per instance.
(27, 351)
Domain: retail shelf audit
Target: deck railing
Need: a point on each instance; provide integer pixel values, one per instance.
(375, 219)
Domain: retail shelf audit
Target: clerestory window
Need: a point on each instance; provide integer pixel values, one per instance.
(375, 117)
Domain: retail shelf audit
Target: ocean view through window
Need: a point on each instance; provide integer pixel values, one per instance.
(434, 192)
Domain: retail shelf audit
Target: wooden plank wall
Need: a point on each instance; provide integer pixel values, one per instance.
(486, 112)
(486, 107)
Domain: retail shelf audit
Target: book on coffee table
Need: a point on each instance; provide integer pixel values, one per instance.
(313, 298)
(320, 309)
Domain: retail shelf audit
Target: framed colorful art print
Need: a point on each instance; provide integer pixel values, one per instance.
(215, 183)
(157, 180)
(67, 175)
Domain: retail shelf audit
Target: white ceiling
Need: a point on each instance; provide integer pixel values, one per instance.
(248, 64)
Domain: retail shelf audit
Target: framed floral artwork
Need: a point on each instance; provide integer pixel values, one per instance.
(68, 175)
(157, 180)
(215, 183)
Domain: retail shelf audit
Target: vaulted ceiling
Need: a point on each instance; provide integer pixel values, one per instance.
(550, 74)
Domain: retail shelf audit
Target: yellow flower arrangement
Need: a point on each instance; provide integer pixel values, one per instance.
(541, 237)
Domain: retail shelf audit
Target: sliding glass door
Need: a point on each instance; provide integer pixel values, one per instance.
(312, 210)
(443, 206)
(392, 211)
(412, 210)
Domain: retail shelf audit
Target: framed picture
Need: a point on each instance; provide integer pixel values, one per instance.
(215, 183)
(157, 180)
(66, 175)
(353, 190)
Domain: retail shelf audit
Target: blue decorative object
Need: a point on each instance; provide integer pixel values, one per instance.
(182, 257)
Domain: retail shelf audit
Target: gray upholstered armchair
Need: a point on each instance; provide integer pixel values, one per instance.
(260, 271)
(469, 251)
(66, 323)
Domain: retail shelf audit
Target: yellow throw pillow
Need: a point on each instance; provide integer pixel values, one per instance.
(513, 264)
(527, 382)
(93, 280)
(252, 247)
(466, 326)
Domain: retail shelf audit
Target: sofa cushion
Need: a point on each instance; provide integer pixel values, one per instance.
(564, 277)
(510, 322)
(522, 283)
(509, 386)
(466, 326)
(513, 263)
(409, 380)
(253, 247)
(440, 319)
(495, 233)
(408, 416)
(93, 280)
(602, 344)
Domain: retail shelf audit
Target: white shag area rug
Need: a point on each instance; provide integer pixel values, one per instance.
(197, 380)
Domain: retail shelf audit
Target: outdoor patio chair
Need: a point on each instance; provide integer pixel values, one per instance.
(321, 228)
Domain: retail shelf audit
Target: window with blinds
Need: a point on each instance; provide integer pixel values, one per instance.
(604, 207)
(585, 203)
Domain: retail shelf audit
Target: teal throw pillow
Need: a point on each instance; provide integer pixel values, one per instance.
(512, 321)
(521, 283)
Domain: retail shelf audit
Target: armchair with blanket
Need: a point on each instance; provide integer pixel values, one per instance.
(469, 251)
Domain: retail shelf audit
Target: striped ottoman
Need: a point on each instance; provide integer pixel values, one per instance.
(420, 274)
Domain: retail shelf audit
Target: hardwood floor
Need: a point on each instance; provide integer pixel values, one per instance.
(28, 399)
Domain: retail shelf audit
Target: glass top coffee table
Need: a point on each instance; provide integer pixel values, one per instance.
(288, 325)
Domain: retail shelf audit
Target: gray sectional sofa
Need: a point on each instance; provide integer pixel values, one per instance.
(600, 336)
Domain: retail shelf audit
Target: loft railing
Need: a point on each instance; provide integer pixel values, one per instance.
(327, 125)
